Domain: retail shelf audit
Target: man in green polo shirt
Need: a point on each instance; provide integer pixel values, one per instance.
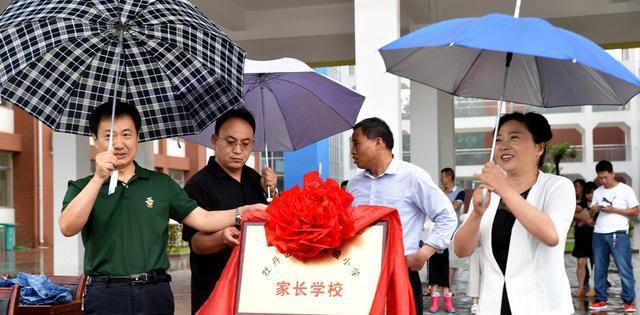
(125, 233)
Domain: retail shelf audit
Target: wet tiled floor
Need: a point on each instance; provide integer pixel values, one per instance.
(41, 261)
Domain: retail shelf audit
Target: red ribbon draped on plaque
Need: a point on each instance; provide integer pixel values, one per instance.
(393, 296)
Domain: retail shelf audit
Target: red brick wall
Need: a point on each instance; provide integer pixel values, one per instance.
(194, 160)
(608, 135)
(25, 180)
(197, 155)
(47, 154)
(567, 135)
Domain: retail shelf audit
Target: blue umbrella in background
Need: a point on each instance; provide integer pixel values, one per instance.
(523, 60)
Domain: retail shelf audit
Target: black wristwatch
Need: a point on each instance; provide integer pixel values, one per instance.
(238, 216)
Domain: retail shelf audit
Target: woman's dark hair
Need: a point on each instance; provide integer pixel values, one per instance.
(589, 187)
(104, 112)
(536, 124)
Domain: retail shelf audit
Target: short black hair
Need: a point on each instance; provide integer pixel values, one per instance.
(579, 181)
(375, 127)
(241, 113)
(103, 111)
(449, 171)
(604, 166)
(536, 124)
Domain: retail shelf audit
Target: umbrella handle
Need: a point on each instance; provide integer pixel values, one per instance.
(509, 57)
(113, 181)
(485, 191)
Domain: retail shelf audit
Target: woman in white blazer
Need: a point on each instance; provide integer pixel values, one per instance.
(522, 226)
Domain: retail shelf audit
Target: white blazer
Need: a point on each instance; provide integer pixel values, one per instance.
(535, 276)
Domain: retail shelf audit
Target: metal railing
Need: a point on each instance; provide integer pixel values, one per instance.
(472, 156)
(579, 155)
(603, 108)
(481, 156)
(479, 108)
(610, 152)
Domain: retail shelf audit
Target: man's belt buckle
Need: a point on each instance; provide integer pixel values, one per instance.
(139, 278)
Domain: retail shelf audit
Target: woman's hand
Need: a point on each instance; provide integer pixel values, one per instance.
(583, 216)
(494, 178)
(478, 206)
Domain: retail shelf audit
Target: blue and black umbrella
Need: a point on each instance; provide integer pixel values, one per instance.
(508, 58)
(540, 64)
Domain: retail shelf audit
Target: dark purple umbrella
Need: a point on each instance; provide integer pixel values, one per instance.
(293, 105)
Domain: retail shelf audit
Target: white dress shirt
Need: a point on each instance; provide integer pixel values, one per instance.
(410, 190)
(535, 277)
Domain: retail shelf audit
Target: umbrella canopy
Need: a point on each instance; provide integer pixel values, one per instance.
(293, 105)
(550, 67)
(61, 58)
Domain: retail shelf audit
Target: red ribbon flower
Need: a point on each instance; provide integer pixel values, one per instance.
(304, 222)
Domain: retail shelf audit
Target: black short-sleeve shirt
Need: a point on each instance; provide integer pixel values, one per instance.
(213, 189)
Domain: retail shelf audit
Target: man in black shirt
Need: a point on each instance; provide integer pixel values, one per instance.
(224, 183)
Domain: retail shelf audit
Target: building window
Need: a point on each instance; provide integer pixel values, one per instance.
(276, 161)
(625, 54)
(335, 157)
(610, 143)
(406, 146)
(608, 108)
(473, 107)
(472, 148)
(175, 147)
(467, 182)
(570, 136)
(178, 176)
(5, 180)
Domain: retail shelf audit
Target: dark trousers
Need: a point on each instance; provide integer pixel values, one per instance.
(416, 286)
(124, 298)
(438, 271)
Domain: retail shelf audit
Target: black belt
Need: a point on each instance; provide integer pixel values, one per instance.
(140, 278)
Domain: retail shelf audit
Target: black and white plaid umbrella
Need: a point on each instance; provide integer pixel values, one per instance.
(60, 58)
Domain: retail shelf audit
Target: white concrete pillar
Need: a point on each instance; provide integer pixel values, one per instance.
(70, 162)
(432, 134)
(377, 23)
(589, 171)
(432, 129)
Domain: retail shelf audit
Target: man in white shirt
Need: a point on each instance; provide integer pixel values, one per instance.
(616, 203)
(385, 181)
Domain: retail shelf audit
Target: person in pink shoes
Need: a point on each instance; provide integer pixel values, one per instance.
(440, 267)
(439, 277)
